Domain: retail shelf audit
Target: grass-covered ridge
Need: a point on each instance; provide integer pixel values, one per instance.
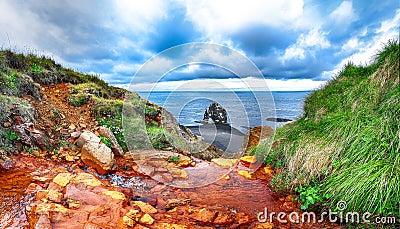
(348, 140)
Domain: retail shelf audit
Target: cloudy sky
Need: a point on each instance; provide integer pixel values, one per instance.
(296, 44)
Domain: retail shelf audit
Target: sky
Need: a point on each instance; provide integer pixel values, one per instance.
(295, 44)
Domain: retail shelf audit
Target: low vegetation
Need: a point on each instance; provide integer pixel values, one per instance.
(346, 146)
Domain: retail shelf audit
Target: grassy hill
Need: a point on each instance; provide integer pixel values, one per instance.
(346, 146)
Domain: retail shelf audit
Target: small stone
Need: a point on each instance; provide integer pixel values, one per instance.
(225, 177)
(128, 221)
(184, 161)
(171, 226)
(73, 204)
(264, 226)
(115, 195)
(32, 187)
(167, 177)
(204, 216)
(69, 158)
(41, 179)
(87, 179)
(224, 163)
(72, 127)
(7, 124)
(63, 179)
(42, 194)
(145, 207)
(134, 215)
(82, 125)
(146, 219)
(172, 203)
(179, 173)
(75, 134)
(223, 219)
(246, 174)
(248, 159)
(54, 196)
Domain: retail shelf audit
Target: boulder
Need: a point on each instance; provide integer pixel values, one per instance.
(217, 113)
(98, 156)
(87, 136)
(115, 147)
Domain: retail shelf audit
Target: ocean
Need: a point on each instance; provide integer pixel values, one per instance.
(245, 109)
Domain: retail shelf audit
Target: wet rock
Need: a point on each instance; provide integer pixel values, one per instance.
(242, 218)
(178, 173)
(41, 179)
(246, 174)
(33, 188)
(268, 171)
(145, 207)
(248, 159)
(63, 179)
(223, 219)
(224, 163)
(171, 226)
(115, 195)
(116, 148)
(146, 219)
(184, 161)
(46, 208)
(152, 200)
(134, 215)
(204, 216)
(87, 179)
(85, 137)
(216, 113)
(98, 156)
(167, 177)
(279, 119)
(54, 196)
(173, 203)
(264, 226)
(128, 221)
(43, 223)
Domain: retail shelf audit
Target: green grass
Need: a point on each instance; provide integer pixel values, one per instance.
(348, 139)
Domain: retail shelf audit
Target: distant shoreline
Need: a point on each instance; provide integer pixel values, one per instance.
(224, 136)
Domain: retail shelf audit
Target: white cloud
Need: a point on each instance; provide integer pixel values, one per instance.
(306, 44)
(294, 52)
(344, 14)
(227, 16)
(140, 15)
(351, 44)
(249, 83)
(388, 25)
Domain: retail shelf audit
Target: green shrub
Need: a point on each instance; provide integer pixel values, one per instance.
(174, 159)
(12, 135)
(311, 195)
(106, 141)
(115, 125)
(77, 100)
(36, 68)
